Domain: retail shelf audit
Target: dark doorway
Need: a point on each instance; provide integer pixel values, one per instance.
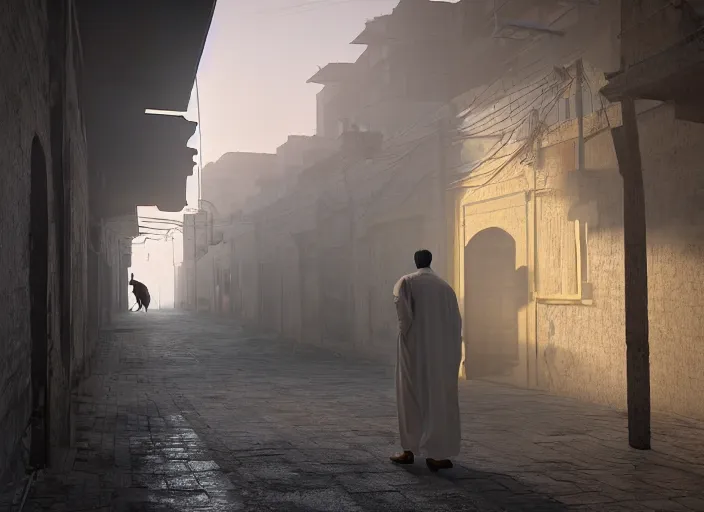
(492, 297)
(38, 287)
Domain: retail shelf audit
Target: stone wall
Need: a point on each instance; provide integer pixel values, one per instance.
(24, 109)
(78, 211)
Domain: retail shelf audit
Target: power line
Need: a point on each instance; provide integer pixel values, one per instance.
(161, 219)
(489, 116)
(536, 131)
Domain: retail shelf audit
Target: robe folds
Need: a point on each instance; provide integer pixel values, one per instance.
(427, 369)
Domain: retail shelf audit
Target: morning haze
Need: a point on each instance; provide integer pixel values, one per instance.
(351, 255)
(257, 59)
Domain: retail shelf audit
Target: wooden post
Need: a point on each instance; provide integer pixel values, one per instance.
(627, 148)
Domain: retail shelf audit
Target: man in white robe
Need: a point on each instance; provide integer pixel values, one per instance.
(427, 370)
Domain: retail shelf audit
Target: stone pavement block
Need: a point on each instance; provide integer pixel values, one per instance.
(214, 481)
(332, 500)
(188, 413)
(665, 505)
(393, 501)
(203, 466)
(366, 483)
(695, 504)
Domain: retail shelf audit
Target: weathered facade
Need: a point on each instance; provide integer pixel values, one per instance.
(227, 183)
(328, 227)
(63, 256)
(32, 203)
(516, 186)
(539, 247)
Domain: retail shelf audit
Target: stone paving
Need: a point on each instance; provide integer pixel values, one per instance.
(193, 413)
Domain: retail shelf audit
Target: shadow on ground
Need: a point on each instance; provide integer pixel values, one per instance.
(191, 413)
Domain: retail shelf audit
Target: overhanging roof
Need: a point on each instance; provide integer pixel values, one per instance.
(333, 73)
(374, 31)
(411, 21)
(139, 55)
(674, 74)
(149, 166)
(144, 52)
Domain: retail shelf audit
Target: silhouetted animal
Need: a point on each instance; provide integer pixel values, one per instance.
(141, 293)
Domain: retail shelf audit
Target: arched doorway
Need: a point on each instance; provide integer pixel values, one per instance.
(491, 304)
(38, 287)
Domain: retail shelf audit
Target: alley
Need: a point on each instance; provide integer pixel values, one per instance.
(194, 413)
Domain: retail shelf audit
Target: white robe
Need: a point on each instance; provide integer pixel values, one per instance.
(429, 356)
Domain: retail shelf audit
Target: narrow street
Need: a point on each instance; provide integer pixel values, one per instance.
(192, 413)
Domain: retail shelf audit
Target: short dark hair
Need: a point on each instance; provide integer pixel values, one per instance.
(423, 258)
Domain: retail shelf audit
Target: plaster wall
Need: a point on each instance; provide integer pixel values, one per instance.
(577, 347)
(245, 265)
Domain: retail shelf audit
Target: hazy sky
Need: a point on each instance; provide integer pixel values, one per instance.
(257, 58)
(253, 73)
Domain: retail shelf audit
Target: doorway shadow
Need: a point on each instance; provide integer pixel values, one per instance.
(494, 292)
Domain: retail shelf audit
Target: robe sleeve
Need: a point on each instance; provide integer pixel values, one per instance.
(404, 306)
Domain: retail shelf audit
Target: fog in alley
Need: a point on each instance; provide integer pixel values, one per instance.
(400, 255)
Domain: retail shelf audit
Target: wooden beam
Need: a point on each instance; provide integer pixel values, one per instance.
(627, 148)
(655, 77)
(690, 110)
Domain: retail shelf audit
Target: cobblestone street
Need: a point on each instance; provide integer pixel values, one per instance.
(192, 413)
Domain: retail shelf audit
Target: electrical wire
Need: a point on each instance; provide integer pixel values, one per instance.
(161, 220)
(502, 144)
(535, 42)
(395, 168)
(492, 114)
(526, 82)
(417, 142)
(531, 140)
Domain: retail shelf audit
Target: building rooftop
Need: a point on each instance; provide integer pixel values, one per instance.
(332, 73)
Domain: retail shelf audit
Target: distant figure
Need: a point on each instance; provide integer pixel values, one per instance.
(427, 370)
(141, 293)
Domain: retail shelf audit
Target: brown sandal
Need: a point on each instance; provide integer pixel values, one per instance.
(437, 465)
(403, 458)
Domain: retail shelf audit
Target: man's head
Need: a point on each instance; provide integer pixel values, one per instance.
(423, 258)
